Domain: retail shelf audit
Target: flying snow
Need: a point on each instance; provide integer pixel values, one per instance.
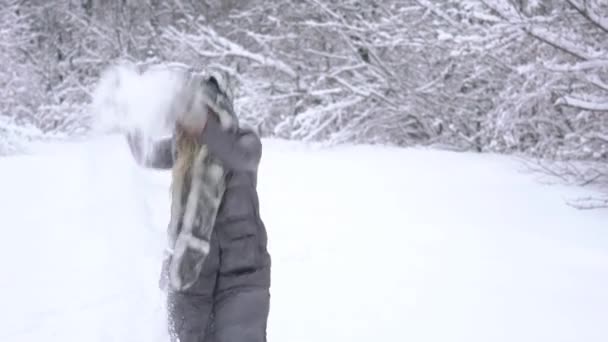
(128, 98)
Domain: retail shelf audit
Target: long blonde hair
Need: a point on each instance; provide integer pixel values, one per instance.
(190, 110)
(192, 107)
(187, 148)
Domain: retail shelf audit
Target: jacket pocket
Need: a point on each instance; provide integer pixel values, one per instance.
(236, 228)
(240, 256)
(236, 204)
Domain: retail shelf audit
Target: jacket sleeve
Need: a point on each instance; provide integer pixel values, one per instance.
(240, 150)
(160, 156)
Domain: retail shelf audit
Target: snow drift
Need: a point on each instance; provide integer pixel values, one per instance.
(368, 243)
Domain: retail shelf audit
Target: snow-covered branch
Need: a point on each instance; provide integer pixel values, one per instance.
(579, 66)
(583, 104)
(206, 37)
(590, 13)
(570, 47)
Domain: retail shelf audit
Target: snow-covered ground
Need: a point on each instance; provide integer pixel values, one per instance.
(368, 244)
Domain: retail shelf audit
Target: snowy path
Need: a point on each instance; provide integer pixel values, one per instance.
(368, 244)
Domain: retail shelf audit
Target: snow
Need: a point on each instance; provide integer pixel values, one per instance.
(126, 99)
(368, 244)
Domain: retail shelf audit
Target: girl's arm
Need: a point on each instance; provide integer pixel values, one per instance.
(240, 150)
(161, 156)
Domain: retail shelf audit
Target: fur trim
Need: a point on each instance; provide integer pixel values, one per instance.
(202, 203)
(195, 191)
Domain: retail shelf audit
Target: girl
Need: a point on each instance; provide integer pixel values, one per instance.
(229, 299)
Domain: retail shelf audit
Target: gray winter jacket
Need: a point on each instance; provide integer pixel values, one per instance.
(230, 301)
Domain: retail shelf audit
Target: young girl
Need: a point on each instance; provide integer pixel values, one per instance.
(229, 301)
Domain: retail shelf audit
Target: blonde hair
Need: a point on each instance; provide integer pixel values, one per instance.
(189, 111)
(187, 148)
(192, 108)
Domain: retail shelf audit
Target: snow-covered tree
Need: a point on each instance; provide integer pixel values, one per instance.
(516, 76)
